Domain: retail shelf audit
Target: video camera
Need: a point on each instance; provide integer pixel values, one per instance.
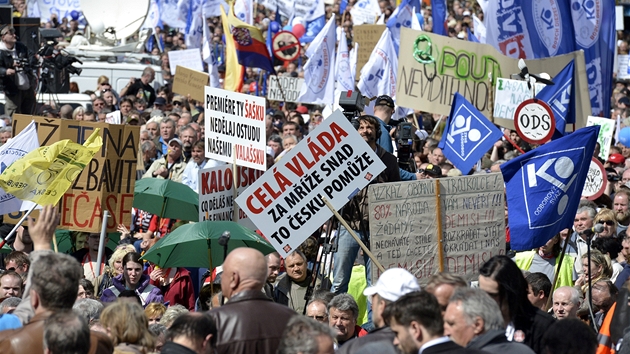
(352, 103)
(404, 145)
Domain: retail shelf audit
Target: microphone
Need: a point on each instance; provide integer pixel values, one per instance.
(224, 239)
(525, 74)
(594, 230)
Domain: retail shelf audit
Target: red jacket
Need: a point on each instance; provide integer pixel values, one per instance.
(179, 291)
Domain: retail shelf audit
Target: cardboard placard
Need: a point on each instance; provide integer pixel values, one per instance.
(453, 65)
(509, 94)
(286, 202)
(235, 128)
(367, 36)
(606, 134)
(291, 87)
(404, 224)
(216, 192)
(188, 81)
(107, 182)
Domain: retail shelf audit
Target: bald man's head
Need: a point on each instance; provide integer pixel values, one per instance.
(243, 269)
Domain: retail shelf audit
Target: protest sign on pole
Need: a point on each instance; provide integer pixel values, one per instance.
(595, 183)
(107, 182)
(235, 128)
(606, 131)
(623, 72)
(188, 58)
(193, 82)
(367, 36)
(509, 94)
(290, 85)
(404, 224)
(216, 192)
(441, 66)
(286, 202)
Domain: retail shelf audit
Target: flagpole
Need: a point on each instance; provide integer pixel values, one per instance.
(438, 207)
(284, 98)
(513, 143)
(436, 125)
(14, 230)
(101, 243)
(555, 277)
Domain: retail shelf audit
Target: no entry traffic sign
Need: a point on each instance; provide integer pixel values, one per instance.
(285, 46)
(534, 121)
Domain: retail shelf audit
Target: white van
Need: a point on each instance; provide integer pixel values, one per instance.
(73, 99)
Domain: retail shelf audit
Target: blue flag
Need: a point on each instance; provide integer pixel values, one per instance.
(560, 98)
(472, 37)
(438, 13)
(401, 17)
(468, 135)
(544, 186)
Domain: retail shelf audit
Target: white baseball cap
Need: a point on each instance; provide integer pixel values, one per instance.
(393, 284)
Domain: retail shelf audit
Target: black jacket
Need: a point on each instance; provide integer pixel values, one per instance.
(250, 323)
(7, 83)
(533, 326)
(174, 348)
(494, 341)
(384, 336)
(450, 347)
(282, 291)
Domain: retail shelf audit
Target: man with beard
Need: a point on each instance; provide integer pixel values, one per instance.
(291, 288)
(620, 207)
(188, 135)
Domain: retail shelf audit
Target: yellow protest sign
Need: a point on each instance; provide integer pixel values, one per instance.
(45, 174)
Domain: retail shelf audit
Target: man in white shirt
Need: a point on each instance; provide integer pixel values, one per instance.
(198, 161)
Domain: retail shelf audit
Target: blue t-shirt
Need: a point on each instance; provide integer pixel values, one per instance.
(9, 321)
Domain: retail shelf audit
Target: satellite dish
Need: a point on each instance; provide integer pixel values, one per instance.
(114, 20)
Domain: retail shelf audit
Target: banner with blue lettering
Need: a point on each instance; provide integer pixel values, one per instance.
(544, 186)
(594, 28)
(529, 29)
(468, 135)
(560, 98)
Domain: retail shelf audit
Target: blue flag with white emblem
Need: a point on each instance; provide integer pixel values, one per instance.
(468, 135)
(560, 98)
(544, 186)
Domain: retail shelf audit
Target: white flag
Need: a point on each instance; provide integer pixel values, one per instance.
(13, 150)
(353, 60)
(480, 29)
(415, 23)
(244, 11)
(343, 73)
(209, 57)
(378, 76)
(319, 71)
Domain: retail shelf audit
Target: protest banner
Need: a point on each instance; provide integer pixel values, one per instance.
(187, 81)
(443, 65)
(595, 183)
(606, 131)
(291, 87)
(623, 73)
(216, 192)
(187, 58)
(235, 128)
(286, 202)
(106, 183)
(509, 94)
(367, 36)
(404, 227)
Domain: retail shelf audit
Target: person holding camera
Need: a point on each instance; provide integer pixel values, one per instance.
(16, 77)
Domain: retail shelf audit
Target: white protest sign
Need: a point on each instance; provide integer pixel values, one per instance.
(290, 85)
(235, 128)
(188, 58)
(114, 117)
(286, 202)
(606, 132)
(595, 183)
(216, 192)
(534, 121)
(361, 15)
(509, 94)
(623, 72)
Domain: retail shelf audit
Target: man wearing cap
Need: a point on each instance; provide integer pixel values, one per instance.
(383, 110)
(160, 103)
(615, 160)
(170, 166)
(431, 171)
(16, 81)
(391, 285)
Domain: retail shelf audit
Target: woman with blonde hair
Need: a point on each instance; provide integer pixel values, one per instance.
(127, 327)
(600, 267)
(154, 312)
(606, 217)
(78, 113)
(113, 269)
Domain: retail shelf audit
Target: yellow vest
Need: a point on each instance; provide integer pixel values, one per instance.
(565, 276)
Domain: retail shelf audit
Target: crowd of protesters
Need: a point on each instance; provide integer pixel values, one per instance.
(523, 302)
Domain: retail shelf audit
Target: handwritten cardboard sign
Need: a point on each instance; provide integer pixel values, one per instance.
(107, 183)
(188, 81)
(367, 36)
(606, 133)
(291, 87)
(404, 225)
(451, 65)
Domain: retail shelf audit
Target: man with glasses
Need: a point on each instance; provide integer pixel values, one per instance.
(16, 73)
(316, 309)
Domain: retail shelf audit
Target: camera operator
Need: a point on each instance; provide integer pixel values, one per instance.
(383, 110)
(356, 211)
(16, 75)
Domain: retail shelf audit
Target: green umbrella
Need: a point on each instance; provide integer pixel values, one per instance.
(166, 199)
(197, 245)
